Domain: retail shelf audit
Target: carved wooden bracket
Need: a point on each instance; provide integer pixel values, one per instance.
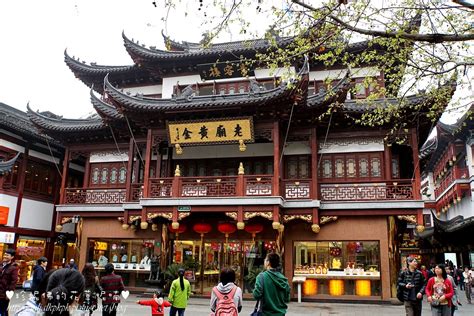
(267, 215)
(305, 217)
(408, 218)
(327, 219)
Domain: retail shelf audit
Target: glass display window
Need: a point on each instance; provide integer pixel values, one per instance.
(28, 250)
(338, 268)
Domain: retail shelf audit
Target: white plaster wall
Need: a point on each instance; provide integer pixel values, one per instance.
(277, 72)
(10, 202)
(297, 148)
(108, 157)
(146, 90)
(170, 82)
(36, 215)
(354, 145)
(10, 145)
(429, 194)
(340, 73)
(470, 158)
(464, 208)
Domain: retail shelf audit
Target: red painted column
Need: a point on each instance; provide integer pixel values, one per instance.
(387, 157)
(149, 145)
(87, 172)
(131, 155)
(276, 158)
(416, 165)
(67, 157)
(21, 187)
(314, 165)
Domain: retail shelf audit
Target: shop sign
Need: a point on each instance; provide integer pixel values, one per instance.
(222, 70)
(4, 210)
(184, 208)
(100, 245)
(211, 132)
(7, 238)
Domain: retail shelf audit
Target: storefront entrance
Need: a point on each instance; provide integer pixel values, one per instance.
(245, 257)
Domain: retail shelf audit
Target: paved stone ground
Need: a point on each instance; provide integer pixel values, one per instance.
(200, 307)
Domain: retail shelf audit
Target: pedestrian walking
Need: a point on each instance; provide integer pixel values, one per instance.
(8, 279)
(226, 297)
(39, 271)
(92, 290)
(424, 272)
(461, 278)
(439, 291)
(467, 283)
(179, 294)
(272, 288)
(455, 303)
(412, 283)
(112, 287)
(64, 288)
(157, 304)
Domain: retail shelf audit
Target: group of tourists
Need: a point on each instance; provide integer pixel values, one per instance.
(439, 284)
(63, 291)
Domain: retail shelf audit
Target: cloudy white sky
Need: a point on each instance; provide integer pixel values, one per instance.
(35, 34)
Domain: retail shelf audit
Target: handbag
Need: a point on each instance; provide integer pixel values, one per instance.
(257, 311)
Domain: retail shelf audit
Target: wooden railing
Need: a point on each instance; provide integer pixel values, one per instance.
(392, 190)
(136, 192)
(296, 189)
(258, 185)
(454, 174)
(219, 186)
(94, 196)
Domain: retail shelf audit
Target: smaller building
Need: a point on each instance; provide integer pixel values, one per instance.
(447, 188)
(29, 188)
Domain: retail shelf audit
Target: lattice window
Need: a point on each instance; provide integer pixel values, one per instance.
(395, 168)
(375, 168)
(327, 168)
(363, 168)
(339, 168)
(113, 176)
(351, 168)
(303, 168)
(95, 176)
(104, 175)
(123, 175)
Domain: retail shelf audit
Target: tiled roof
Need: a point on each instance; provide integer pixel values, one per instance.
(64, 125)
(259, 98)
(104, 109)
(93, 74)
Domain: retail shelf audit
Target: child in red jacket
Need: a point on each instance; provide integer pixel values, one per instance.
(157, 304)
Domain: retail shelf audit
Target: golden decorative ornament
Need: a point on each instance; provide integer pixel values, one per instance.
(177, 171)
(281, 229)
(175, 225)
(125, 226)
(179, 149)
(154, 227)
(144, 225)
(133, 227)
(59, 228)
(420, 228)
(315, 228)
(240, 225)
(276, 225)
(242, 146)
(241, 169)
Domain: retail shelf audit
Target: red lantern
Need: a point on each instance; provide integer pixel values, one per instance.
(227, 228)
(181, 229)
(202, 228)
(254, 229)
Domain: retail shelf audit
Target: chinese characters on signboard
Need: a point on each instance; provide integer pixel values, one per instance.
(211, 132)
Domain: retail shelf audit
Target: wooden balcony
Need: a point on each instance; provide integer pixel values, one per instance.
(242, 186)
(94, 196)
(453, 175)
(387, 190)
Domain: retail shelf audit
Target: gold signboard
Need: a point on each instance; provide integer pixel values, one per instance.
(211, 132)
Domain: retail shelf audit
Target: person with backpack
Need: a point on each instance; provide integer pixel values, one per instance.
(226, 297)
(179, 294)
(157, 304)
(411, 287)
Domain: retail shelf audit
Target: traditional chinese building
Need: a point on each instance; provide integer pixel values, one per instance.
(447, 186)
(29, 189)
(210, 164)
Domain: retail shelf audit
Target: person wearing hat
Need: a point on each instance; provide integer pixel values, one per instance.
(8, 279)
(39, 271)
(179, 294)
(413, 283)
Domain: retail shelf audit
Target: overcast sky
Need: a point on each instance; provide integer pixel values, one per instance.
(35, 34)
